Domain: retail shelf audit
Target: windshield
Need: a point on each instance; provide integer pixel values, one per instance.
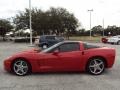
(50, 48)
(115, 36)
(59, 38)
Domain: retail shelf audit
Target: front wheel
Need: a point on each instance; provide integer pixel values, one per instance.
(96, 66)
(20, 67)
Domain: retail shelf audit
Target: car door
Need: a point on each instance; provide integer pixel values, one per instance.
(71, 56)
(67, 58)
(49, 62)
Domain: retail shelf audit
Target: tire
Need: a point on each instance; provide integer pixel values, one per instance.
(96, 66)
(44, 46)
(21, 67)
(118, 42)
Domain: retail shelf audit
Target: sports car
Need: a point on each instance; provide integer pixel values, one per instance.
(114, 40)
(64, 56)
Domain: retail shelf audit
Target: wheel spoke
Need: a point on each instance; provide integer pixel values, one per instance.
(17, 65)
(95, 62)
(17, 70)
(25, 67)
(22, 71)
(92, 66)
(95, 69)
(21, 63)
(98, 68)
(100, 63)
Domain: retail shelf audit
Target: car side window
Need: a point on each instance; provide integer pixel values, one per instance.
(59, 38)
(89, 46)
(50, 37)
(67, 47)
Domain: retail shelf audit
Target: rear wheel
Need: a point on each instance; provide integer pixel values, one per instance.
(44, 46)
(21, 67)
(96, 66)
(118, 42)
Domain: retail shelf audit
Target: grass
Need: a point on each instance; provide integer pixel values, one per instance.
(86, 38)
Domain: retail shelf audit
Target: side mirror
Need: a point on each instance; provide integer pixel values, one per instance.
(55, 52)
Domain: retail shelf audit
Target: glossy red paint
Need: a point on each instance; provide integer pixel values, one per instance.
(62, 61)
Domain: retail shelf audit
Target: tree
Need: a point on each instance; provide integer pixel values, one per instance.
(54, 20)
(81, 32)
(114, 30)
(97, 30)
(5, 26)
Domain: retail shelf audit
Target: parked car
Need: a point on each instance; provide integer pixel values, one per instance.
(23, 39)
(46, 41)
(63, 56)
(104, 40)
(114, 40)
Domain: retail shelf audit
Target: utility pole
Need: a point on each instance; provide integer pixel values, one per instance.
(30, 20)
(90, 20)
(103, 28)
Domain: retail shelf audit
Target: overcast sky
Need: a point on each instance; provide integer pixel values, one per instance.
(109, 10)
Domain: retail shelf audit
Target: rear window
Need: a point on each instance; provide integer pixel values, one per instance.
(68, 47)
(59, 38)
(90, 46)
(50, 37)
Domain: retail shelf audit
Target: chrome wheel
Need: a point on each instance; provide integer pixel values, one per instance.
(20, 67)
(96, 66)
(44, 46)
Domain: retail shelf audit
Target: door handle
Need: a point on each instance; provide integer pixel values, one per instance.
(83, 53)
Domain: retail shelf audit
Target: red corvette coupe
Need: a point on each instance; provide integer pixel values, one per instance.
(63, 56)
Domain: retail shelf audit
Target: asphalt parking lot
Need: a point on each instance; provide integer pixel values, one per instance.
(109, 80)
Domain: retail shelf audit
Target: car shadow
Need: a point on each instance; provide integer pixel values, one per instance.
(58, 73)
(106, 72)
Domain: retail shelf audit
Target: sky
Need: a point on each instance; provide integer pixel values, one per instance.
(107, 10)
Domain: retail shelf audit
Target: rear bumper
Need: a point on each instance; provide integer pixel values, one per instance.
(111, 60)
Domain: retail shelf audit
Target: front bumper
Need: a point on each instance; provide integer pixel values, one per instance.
(7, 65)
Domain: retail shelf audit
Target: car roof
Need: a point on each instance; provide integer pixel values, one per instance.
(47, 35)
(67, 41)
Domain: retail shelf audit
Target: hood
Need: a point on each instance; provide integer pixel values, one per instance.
(34, 50)
(26, 54)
